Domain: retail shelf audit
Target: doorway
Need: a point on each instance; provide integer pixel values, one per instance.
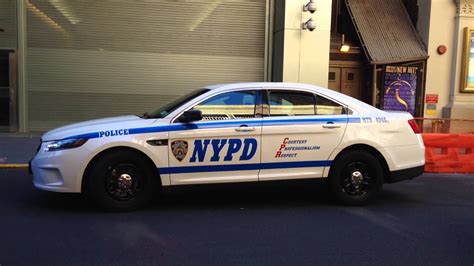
(7, 91)
(347, 80)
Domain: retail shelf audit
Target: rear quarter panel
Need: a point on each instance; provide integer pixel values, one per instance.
(390, 134)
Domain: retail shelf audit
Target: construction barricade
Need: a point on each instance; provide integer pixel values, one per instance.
(449, 144)
(449, 153)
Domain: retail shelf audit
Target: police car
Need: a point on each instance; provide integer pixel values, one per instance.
(243, 132)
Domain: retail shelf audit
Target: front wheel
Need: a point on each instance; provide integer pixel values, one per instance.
(121, 181)
(356, 177)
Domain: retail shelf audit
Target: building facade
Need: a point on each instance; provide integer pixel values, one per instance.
(63, 61)
(445, 26)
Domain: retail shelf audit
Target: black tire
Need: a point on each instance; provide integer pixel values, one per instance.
(356, 177)
(121, 181)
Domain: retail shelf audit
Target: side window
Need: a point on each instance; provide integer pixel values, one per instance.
(325, 106)
(229, 105)
(290, 103)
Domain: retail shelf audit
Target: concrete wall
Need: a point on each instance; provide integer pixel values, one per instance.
(436, 23)
(461, 104)
(302, 55)
(442, 22)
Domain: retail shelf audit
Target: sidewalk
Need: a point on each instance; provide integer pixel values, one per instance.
(17, 148)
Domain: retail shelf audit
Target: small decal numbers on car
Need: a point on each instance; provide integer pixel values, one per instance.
(378, 120)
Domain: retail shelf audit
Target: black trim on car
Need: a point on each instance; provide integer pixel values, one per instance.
(258, 104)
(409, 173)
(158, 142)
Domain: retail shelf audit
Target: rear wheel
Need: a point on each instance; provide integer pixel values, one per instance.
(356, 177)
(121, 181)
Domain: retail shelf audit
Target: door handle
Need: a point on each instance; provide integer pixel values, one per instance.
(245, 128)
(331, 125)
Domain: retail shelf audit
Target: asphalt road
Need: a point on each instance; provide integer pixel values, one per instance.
(426, 221)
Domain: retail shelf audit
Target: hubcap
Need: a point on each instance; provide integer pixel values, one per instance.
(123, 181)
(357, 179)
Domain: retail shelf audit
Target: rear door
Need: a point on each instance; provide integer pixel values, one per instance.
(300, 132)
(224, 146)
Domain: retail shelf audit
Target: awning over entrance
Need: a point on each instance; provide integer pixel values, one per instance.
(385, 31)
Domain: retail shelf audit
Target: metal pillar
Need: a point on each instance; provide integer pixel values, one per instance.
(21, 67)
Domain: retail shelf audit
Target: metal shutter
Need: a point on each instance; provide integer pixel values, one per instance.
(90, 59)
(8, 36)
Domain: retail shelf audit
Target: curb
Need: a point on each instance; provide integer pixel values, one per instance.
(23, 166)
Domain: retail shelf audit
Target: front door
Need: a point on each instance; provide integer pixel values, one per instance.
(300, 133)
(224, 147)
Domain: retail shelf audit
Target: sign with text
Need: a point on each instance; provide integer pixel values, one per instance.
(431, 98)
(399, 88)
(431, 109)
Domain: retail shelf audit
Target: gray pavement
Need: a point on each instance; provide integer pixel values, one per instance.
(18, 148)
(425, 221)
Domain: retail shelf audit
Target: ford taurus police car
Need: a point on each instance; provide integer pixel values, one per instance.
(244, 132)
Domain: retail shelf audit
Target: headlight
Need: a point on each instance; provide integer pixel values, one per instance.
(63, 144)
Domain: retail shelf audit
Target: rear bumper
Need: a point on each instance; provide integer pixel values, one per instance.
(409, 173)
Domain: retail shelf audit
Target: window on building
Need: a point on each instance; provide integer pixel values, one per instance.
(350, 76)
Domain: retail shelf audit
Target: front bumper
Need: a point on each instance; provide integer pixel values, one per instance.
(59, 171)
(409, 173)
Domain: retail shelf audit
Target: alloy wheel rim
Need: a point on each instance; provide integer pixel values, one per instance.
(357, 179)
(123, 181)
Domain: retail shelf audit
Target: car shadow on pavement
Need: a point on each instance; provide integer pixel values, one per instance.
(250, 195)
(307, 193)
(59, 202)
(278, 195)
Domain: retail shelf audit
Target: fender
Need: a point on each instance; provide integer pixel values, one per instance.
(165, 181)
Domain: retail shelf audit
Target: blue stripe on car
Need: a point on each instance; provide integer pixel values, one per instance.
(224, 124)
(242, 167)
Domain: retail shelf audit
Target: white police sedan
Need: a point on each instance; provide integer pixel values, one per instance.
(243, 132)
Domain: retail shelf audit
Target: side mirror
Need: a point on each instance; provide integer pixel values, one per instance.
(190, 116)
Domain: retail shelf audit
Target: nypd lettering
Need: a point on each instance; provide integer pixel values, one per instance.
(112, 133)
(224, 149)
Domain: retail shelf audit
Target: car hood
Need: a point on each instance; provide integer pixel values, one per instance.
(97, 125)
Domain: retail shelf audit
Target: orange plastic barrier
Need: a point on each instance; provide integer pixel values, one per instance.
(449, 153)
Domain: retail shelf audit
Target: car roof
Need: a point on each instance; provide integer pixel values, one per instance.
(353, 103)
(255, 84)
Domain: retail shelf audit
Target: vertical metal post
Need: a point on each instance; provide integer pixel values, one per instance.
(374, 86)
(21, 67)
(267, 67)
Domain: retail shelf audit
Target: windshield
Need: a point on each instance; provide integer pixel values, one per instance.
(166, 109)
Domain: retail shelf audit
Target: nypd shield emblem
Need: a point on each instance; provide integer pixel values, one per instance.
(179, 149)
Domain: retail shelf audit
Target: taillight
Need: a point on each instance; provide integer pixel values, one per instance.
(414, 126)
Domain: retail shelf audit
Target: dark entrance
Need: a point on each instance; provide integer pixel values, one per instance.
(7, 91)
